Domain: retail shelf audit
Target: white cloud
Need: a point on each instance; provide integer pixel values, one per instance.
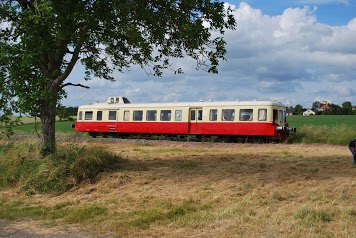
(289, 57)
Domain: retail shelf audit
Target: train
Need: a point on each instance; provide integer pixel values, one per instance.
(237, 120)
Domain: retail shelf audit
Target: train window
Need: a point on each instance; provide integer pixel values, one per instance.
(126, 115)
(151, 115)
(280, 115)
(246, 115)
(126, 100)
(80, 116)
(213, 115)
(275, 115)
(178, 115)
(192, 115)
(228, 115)
(166, 115)
(99, 115)
(200, 115)
(112, 115)
(262, 114)
(137, 115)
(88, 116)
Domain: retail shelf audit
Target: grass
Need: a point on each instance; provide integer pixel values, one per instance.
(170, 189)
(22, 166)
(323, 120)
(324, 129)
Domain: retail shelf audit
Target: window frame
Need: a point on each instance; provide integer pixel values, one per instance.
(169, 115)
(87, 114)
(111, 114)
(231, 114)
(213, 115)
(137, 115)
(178, 115)
(149, 118)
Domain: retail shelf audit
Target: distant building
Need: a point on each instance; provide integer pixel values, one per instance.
(324, 105)
(308, 113)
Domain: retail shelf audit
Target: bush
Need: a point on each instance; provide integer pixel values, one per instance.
(22, 166)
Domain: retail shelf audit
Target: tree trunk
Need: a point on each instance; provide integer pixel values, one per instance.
(48, 121)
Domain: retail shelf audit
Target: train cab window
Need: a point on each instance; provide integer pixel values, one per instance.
(112, 115)
(126, 115)
(88, 116)
(137, 115)
(125, 100)
(246, 115)
(281, 116)
(151, 115)
(228, 115)
(213, 115)
(166, 115)
(178, 116)
(262, 114)
(275, 115)
(80, 117)
(99, 115)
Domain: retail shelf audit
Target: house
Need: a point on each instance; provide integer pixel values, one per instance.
(324, 105)
(308, 113)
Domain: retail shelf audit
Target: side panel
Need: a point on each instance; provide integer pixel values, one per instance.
(238, 128)
(207, 128)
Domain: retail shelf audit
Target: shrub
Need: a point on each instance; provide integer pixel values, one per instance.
(22, 166)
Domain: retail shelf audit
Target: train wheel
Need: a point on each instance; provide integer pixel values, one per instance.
(93, 134)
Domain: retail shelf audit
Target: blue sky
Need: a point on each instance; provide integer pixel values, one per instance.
(295, 52)
(328, 11)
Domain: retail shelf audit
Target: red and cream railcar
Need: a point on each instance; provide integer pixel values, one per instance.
(240, 119)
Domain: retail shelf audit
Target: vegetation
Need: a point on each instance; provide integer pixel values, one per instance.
(172, 189)
(330, 109)
(42, 41)
(325, 129)
(22, 166)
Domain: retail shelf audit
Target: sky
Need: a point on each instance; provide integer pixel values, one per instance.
(294, 52)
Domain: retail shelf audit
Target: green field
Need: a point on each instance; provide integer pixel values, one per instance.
(322, 120)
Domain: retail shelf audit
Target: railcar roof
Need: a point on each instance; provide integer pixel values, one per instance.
(181, 104)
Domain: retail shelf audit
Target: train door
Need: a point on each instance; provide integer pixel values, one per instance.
(195, 120)
(113, 120)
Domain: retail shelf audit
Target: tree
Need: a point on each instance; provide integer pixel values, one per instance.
(42, 40)
(298, 109)
(316, 106)
(346, 108)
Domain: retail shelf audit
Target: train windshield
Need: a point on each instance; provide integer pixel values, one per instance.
(125, 100)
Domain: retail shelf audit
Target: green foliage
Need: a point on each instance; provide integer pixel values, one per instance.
(22, 166)
(42, 41)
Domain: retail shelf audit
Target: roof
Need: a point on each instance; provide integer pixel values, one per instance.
(183, 104)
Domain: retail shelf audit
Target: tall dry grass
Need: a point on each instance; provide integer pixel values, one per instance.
(177, 189)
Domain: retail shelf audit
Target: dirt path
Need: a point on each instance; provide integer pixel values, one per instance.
(19, 229)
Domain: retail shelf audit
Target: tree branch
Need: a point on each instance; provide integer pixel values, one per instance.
(75, 57)
(72, 84)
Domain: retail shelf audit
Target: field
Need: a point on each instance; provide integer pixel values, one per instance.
(323, 120)
(187, 189)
